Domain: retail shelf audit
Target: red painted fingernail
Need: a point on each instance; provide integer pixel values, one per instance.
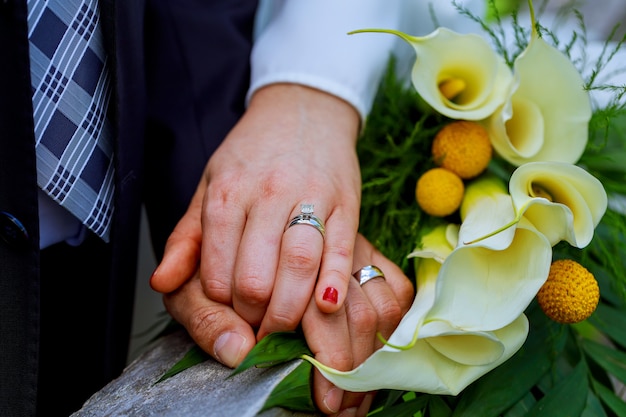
(331, 294)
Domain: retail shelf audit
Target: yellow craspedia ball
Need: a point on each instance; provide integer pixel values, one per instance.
(462, 147)
(439, 192)
(570, 294)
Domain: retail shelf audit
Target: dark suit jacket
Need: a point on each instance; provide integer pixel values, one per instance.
(189, 59)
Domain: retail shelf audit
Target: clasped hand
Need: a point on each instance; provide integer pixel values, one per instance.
(233, 272)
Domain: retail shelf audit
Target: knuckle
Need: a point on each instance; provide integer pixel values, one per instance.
(363, 317)
(342, 249)
(202, 321)
(283, 320)
(253, 290)
(341, 359)
(216, 290)
(390, 313)
(300, 260)
(272, 185)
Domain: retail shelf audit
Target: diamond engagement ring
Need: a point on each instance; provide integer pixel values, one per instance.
(367, 273)
(306, 217)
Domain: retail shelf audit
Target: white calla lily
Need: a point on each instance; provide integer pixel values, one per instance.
(485, 186)
(425, 368)
(467, 317)
(547, 116)
(435, 248)
(563, 201)
(458, 75)
(478, 348)
(492, 210)
(438, 243)
(495, 278)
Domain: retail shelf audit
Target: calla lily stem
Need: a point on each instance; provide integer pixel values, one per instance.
(495, 232)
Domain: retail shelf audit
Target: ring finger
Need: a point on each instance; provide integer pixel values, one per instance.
(298, 268)
(373, 283)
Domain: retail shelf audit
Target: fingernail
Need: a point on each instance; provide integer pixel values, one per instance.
(228, 348)
(331, 294)
(154, 272)
(333, 398)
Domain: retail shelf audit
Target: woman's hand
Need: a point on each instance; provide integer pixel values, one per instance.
(343, 340)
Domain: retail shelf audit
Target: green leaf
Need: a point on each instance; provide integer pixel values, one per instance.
(610, 321)
(593, 408)
(615, 403)
(437, 407)
(194, 356)
(408, 408)
(274, 349)
(506, 385)
(294, 391)
(521, 408)
(386, 398)
(611, 360)
(567, 398)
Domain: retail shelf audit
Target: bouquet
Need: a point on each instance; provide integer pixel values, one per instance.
(491, 181)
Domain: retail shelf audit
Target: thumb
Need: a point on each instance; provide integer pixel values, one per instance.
(182, 250)
(215, 327)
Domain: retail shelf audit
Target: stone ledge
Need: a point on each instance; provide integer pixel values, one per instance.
(203, 390)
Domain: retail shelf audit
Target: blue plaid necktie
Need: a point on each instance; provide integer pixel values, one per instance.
(71, 91)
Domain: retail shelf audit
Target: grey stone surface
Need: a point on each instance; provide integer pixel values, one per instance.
(202, 390)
